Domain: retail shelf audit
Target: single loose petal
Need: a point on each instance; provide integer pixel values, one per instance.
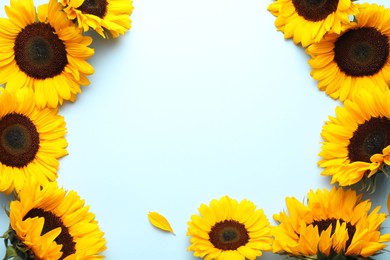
(388, 203)
(160, 222)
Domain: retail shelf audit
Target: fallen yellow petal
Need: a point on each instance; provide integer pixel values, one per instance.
(388, 203)
(159, 221)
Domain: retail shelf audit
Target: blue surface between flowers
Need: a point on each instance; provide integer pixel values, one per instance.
(200, 99)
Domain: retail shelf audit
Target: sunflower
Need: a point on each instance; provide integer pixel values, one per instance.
(31, 140)
(357, 141)
(229, 230)
(334, 222)
(50, 223)
(43, 51)
(103, 16)
(355, 59)
(307, 21)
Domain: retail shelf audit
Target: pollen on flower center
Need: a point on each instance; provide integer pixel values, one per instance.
(39, 52)
(361, 52)
(19, 140)
(370, 138)
(52, 222)
(315, 10)
(94, 7)
(228, 235)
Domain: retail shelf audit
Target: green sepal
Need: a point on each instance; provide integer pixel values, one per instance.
(332, 256)
(321, 256)
(369, 184)
(340, 256)
(385, 169)
(15, 249)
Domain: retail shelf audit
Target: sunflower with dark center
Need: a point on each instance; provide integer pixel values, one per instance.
(54, 224)
(229, 230)
(31, 140)
(356, 58)
(333, 222)
(43, 51)
(307, 21)
(357, 141)
(103, 16)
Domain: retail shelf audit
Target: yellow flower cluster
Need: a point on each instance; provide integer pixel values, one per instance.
(335, 224)
(350, 60)
(42, 64)
(349, 48)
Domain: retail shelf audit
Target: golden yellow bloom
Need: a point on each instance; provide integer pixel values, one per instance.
(333, 222)
(307, 21)
(357, 141)
(43, 51)
(229, 230)
(355, 59)
(102, 16)
(31, 140)
(55, 224)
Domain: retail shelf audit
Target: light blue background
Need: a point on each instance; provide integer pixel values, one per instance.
(200, 99)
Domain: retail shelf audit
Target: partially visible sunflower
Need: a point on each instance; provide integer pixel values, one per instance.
(357, 141)
(333, 223)
(355, 59)
(43, 51)
(31, 140)
(103, 16)
(307, 21)
(229, 230)
(48, 222)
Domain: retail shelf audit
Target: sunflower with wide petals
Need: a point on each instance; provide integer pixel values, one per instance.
(308, 21)
(228, 229)
(357, 141)
(43, 50)
(333, 223)
(104, 16)
(51, 223)
(356, 58)
(31, 140)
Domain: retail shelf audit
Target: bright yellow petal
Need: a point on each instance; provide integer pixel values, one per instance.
(160, 222)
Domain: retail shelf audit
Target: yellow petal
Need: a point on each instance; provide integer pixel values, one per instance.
(388, 203)
(159, 221)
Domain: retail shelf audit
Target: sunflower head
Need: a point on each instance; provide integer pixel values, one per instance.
(103, 16)
(357, 57)
(44, 51)
(47, 222)
(357, 141)
(229, 230)
(335, 224)
(31, 140)
(307, 21)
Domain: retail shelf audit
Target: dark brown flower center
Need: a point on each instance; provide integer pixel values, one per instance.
(361, 52)
(325, 223)
(94, 7)
(370, 138)
(53, 222)
(19, 140)
(39, 52)
(228, 235)
(315, 10)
